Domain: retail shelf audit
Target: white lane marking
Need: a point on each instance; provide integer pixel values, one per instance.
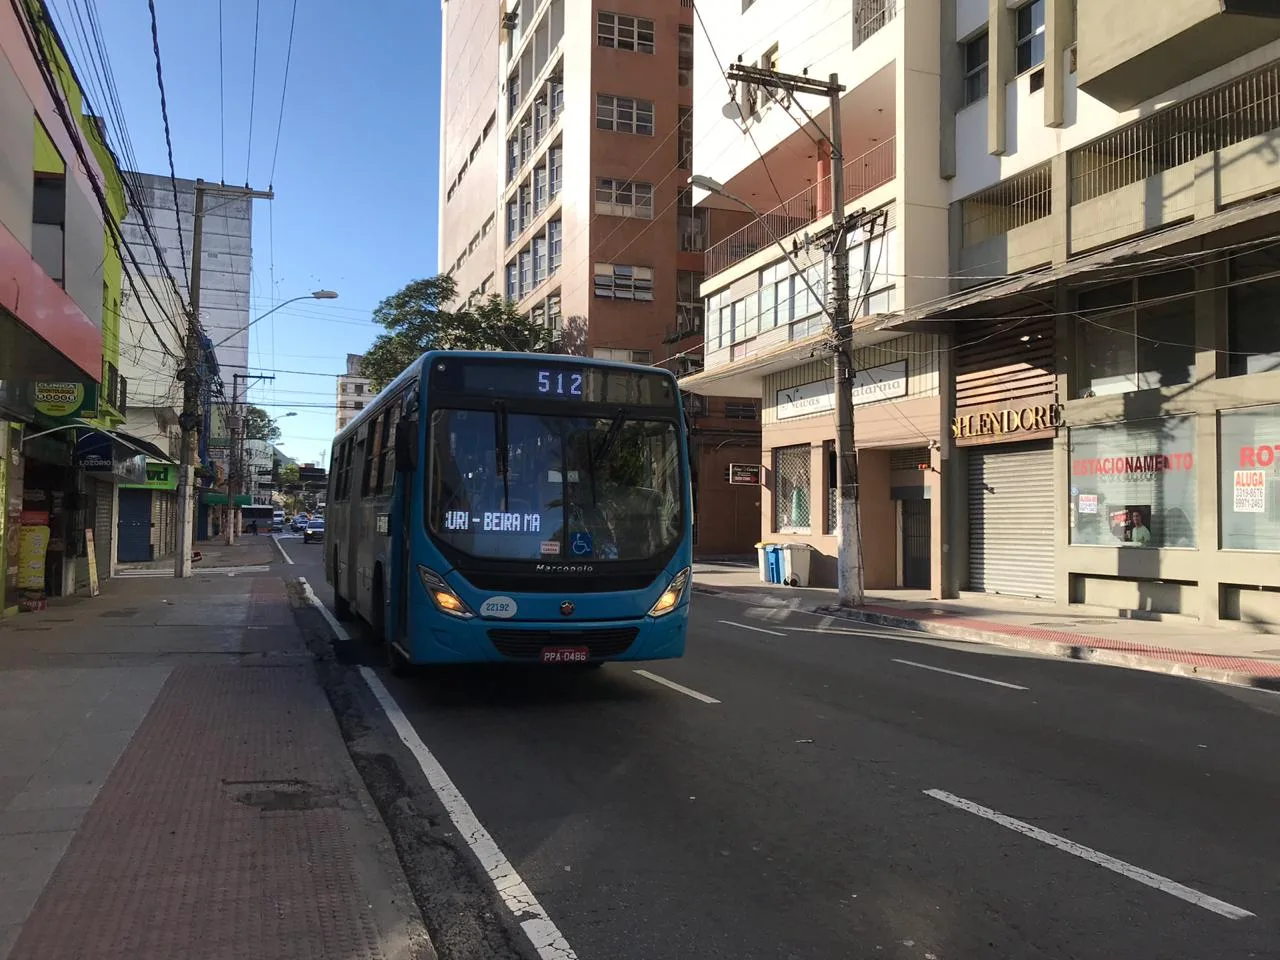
(747, 626)
(676, 686)
(534, 921)
(280, 546)
(338, 629)
(957, 673)
(1154, 880)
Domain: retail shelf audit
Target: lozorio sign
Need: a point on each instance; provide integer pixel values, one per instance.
(1009, 423)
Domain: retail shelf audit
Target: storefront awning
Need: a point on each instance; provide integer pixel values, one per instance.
(214, 499)
(1114, 262)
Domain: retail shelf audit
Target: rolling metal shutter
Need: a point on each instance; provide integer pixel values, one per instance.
(103, 529)
(1011, 515)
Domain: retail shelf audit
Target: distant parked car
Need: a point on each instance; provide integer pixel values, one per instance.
(300, 523)
(314, 531)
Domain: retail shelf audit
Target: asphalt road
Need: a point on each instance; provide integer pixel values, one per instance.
(860, 792)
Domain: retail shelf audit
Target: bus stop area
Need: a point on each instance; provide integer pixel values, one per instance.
(172, 775)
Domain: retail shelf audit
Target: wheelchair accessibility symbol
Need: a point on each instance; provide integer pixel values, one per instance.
(580, 544)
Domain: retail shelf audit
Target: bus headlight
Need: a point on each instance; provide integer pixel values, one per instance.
(442, 594)
(671, 596)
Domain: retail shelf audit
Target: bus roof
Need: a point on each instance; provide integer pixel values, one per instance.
(415, 368)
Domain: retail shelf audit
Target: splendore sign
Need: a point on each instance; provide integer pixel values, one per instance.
(1007, 424)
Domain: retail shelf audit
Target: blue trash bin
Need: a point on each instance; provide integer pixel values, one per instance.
(774, 553)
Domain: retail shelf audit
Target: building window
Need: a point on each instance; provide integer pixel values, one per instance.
(739, 410)
(624, 33)
(526, 207)
(513, 94)
(1030, 35)
(1134, 484)
(624, 198)
(48, 220)
(513, 158)
(539, 259)
(526, 142)
(556, 87)
(684, 142)
(513, 282)
(975, 68)
(555, 167)
(555, 244)
(1123, 349)
(541, 119)
(615, 281)
(1253, 336)
(791, 489)
(1250, 478)
(540, 198)
(513, 221)
(526, 272)
(624, 114)
(684, 64)
(623, 355)
(553, 312)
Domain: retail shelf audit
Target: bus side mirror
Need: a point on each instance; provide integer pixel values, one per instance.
(406, 452)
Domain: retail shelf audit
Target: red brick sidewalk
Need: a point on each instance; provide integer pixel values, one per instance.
(235, 826)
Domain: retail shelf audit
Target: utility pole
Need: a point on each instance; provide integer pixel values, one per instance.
(849, 562)
(192, 383)
(236, 460)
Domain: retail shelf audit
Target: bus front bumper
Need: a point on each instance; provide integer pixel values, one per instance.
(550, 642)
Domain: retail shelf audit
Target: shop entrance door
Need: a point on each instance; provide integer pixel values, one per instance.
(917, 538)
(133, 532)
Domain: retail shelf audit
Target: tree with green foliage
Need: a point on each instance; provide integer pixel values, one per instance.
(288, 474)
(417, 319)
(259, 426)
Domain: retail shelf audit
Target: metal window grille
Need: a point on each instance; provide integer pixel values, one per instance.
(791, 493)
(1244, 108)
(1011, 203)
(871, 16)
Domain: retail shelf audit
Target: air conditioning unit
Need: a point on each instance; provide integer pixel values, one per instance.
(686, 78)
(510, 21)
(686, 366)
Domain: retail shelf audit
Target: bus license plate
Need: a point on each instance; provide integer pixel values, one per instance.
(565, 654)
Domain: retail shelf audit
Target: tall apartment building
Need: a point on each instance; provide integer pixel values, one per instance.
(1069, 350)
(354, 391)
(581, 145)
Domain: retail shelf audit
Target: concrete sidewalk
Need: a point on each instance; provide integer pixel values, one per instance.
(1174, 646)
(250, 551)
(173, 783)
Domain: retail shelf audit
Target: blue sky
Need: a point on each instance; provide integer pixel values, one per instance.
(355, 178)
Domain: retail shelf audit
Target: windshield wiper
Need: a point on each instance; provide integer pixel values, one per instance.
(501, 449)
(615, 426)
(596, 456)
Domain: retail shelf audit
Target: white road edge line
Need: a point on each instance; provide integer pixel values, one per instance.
(1154, 880)
(747, 626)
(537, 925)
(676, 686)
(280, 546)
(957, 673)
(338, 629)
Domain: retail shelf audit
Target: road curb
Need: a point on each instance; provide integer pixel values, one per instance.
(1053, 648)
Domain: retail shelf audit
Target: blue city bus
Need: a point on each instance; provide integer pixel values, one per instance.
(506, 508)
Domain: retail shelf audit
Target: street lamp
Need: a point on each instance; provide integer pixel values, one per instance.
(314, 295)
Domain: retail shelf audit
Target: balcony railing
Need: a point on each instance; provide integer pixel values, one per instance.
(1014, 202)
(871, 16)
(1232, 113)
(862, 174)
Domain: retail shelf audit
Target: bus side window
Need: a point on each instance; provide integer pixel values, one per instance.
(366, 460)
(386, 463)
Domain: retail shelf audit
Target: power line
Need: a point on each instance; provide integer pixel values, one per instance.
(168, 142)
(284, 88)
(253, 87)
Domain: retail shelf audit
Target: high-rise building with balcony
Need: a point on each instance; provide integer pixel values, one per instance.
(565, 152)
(767, 284)
(1090, 364)
(354, 391)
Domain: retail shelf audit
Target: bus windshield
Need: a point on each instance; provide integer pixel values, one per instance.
(515, 486)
